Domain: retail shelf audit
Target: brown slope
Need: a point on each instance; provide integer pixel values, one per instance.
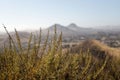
(97, 49)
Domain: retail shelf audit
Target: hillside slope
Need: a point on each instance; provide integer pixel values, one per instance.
(97, 48)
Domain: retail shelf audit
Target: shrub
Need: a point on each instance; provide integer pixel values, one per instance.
(50, 62)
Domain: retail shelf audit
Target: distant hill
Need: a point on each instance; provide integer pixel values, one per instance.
(70, 30)
(81, 30)
(59, 28)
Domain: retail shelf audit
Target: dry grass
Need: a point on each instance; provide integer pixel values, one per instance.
(97, 48)
(52, 63)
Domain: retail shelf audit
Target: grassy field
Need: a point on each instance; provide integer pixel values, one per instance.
(50, 62)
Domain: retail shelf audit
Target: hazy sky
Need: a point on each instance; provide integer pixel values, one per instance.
(32, 14)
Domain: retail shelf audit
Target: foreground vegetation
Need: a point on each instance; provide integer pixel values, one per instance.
(51, 62)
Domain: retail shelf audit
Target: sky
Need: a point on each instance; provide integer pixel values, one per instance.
(33, 14)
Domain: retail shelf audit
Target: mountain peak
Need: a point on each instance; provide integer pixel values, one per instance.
(72, 25)
(58, 26)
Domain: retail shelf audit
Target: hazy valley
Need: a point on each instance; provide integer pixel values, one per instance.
(72, 34)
